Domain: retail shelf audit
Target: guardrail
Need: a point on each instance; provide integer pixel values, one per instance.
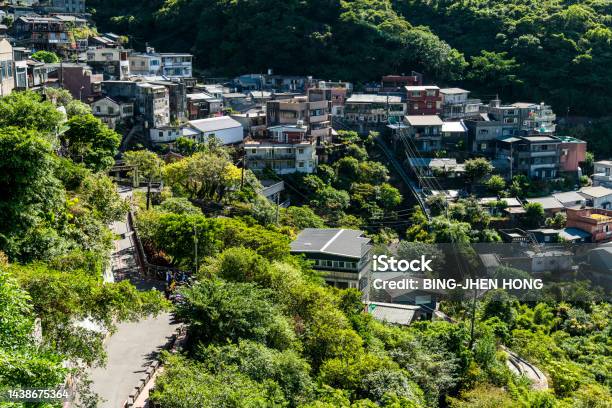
(177, 339)
(148, 269)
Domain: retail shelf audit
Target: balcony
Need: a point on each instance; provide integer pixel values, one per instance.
(319, 118)
(542, 153)
(270, 157)
(320, 132)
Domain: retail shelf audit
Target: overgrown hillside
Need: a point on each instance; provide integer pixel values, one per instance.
(555, 50)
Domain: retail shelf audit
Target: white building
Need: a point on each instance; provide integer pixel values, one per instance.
(176, 65)
(602, 175)
(112, 111)
(571, 199)
(113, 61)
(456, 104)
(165, 134)
(223, 128)
(145, 64)
(597, 197)
(288, 150)
(7, 81)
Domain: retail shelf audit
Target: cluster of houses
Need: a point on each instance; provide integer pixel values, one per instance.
(285, 122)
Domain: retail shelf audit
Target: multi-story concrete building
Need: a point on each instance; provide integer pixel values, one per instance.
(423, 100)
(79, 80)
(314, 116)
(537, 157)
(596, 222)
(68, 6)
(573, 154)
(602, 175)
(597, 197)
(168, 64)
(253, 121)
(29, 74)
(177, 99)
(50, 33)
(153, 104)
(202, 105)
(535, 118)
(373, 111)
(334, 92)
(176, 65)
(287, 83)
(113, 63)
(341, 255)
(112, 111)
(146, 64)
(288, 149)
(424, 131)
(7, 68)
(456, 104)
(495, 122)
(396, 83)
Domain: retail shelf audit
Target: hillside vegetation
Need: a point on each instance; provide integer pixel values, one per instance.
(554, 50)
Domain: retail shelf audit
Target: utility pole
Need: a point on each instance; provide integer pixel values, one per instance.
(277, 206)
(195, 242)
(242, 171)
(473, 318)
(148, 193)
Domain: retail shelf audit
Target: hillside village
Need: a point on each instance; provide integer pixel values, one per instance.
(325, 170)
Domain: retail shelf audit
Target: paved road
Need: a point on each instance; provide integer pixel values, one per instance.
(134, 345)
(130, 350)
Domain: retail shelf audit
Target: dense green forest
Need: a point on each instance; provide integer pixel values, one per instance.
(554, 50)
(263, 329)
(55, 244)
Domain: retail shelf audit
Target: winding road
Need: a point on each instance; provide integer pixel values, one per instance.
(521, 367)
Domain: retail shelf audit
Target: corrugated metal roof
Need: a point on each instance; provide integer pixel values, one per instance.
(343, 242)
(372, 98)
(214, 124)
(424, 120)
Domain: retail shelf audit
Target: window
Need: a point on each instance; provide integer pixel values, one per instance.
(111, 110)
(301, 151)
(301, 164)
(161, 134)
(98, 110)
